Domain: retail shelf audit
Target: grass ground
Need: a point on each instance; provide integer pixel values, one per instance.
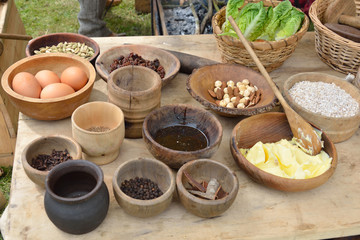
(120, 19)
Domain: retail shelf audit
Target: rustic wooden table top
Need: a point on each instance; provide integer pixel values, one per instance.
(331, 210)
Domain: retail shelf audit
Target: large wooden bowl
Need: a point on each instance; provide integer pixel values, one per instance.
(170, 63)
(268, 128)
(203, 79)
(152, 169)
(54, 108)
(56, 38)
(204, 170)
(45, 145)
(338, 129)
(183, 115)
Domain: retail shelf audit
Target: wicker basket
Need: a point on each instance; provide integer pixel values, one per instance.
(339, 53)
(272, 54)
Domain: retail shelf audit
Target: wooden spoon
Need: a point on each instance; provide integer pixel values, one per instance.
(301, 129)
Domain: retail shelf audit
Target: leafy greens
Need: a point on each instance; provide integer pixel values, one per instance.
(258, 22)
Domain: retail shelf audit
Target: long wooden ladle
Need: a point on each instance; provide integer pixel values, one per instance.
(302, 130)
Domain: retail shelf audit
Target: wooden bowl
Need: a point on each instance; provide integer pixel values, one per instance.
(56, 38)
(54, 108)
(204, 170)
(137, 91)
(45, 145)
(152, 169)
(337, 129)
(99, 128)
(202, 79)
(183, 115)
(268, 128)
(170, 63)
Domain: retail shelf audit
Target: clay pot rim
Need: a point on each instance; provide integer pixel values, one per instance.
(188, 195)
(26, 163)
(148, 135)
(97, 133)
(155, 76)
(169, 191)
(69, 166)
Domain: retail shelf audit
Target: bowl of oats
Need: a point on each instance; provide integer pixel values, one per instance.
(329, 102)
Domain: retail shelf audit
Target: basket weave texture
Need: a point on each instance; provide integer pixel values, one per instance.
(272, 54)
(341, 54)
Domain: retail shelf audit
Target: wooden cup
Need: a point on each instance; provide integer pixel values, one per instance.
(137, 91)
(99, 147)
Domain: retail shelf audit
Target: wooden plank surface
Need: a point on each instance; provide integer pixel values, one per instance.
(14, 50)
(332, 210)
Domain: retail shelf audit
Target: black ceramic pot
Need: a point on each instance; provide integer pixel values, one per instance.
(76, 198)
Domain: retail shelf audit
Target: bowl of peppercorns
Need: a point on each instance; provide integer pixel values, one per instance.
(164, 63)
(44, 153)
(143, 187)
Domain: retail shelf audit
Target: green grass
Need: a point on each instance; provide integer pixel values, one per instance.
(5, 182)
(120, 19)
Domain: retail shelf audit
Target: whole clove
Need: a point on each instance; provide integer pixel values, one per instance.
(45, 162)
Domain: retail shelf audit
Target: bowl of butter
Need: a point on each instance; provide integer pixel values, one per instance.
(264, 147)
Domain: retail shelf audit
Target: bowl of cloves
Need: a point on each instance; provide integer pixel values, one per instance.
(143, 187)
(44, 153)
(206, 188)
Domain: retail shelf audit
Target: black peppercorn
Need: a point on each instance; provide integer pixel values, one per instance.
(141, 188)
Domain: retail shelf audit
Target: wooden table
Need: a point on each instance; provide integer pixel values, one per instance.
(331, 210)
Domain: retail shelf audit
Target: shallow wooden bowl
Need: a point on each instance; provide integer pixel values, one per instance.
(203, 79)
(152, 169)
(55, 108)
(181, 114)
(170, 63)
(268, 128)
(56, 38)
(338, 129)
(45, 145)
(204, 170)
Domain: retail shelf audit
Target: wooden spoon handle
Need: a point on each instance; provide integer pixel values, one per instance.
(15, 36)
(258, 63)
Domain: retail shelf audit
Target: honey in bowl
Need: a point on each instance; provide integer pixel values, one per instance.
(181, 138)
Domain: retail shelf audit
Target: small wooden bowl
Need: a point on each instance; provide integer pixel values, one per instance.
(45, 145)
(56, 38)
(203, 79)
(187, 115)
(88, 123)
(338, 129)
(53, 108)
(137, 91)
(170, 63)
(152, 169)
(268, 128)
(204, 170)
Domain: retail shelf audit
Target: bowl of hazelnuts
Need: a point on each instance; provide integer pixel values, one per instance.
(231, 90)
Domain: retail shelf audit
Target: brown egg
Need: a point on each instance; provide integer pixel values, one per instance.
(74, 77)
(25, 83)
(46, 77)
(55, 90)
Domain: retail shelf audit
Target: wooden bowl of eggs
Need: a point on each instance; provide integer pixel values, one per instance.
(49, 86)
(241, 90)
(74, 43)
(276, 166)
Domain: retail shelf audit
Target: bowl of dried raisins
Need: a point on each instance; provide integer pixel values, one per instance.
(44, 153)
(164, 63)
(231, 90)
